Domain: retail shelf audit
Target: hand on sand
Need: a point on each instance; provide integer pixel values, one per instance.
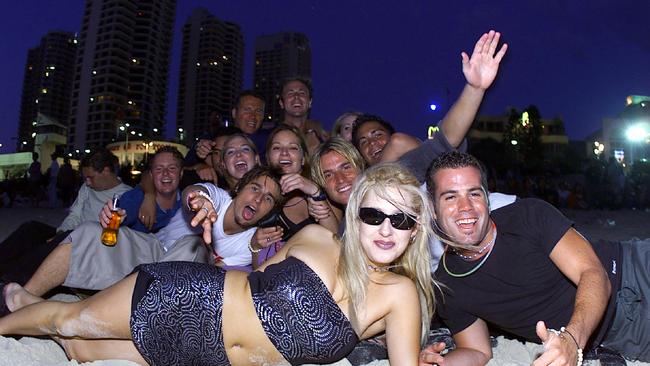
(431, 355)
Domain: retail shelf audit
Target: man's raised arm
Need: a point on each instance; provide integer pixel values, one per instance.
(480, 70)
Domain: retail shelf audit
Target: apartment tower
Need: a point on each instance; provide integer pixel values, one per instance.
(47, 85)
(278, 56)
(211, 73)
(121, 71)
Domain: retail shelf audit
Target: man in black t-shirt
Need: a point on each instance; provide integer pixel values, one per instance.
(524, 270)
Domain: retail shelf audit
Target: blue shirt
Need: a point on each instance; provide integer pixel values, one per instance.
(131, 200)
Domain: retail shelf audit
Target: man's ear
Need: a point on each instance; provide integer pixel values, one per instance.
(310, 100)
(433, 208)
(281, 103)
(233, 113)
(257, 159)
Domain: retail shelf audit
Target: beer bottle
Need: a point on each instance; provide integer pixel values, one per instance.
(109, 234)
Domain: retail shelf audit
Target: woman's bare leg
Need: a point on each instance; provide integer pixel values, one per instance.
(104, 315)
(84, 350)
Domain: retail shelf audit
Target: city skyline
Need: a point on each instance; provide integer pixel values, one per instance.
(574, 61)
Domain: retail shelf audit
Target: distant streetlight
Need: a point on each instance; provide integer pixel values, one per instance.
(513, 142)
(433, 107)
(180, 134)
(637, 132)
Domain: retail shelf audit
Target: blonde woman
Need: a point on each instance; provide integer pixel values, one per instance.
(310, 304)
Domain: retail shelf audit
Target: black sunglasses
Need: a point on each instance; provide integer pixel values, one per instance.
(399, 221)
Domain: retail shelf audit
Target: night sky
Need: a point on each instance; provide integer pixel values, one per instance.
(574, 59)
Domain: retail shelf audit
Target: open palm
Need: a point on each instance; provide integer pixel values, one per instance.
(481, 69)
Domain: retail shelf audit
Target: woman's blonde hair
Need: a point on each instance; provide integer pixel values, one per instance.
(383, 180)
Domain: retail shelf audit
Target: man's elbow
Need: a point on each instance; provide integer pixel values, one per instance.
(466, 356)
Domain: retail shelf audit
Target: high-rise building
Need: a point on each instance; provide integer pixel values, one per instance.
(122, 71)
(47, 85)
(211, 73)
(278, 56)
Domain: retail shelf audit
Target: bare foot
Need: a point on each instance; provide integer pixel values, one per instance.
(17, 297)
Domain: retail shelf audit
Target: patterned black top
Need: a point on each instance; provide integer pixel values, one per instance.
(299, 315)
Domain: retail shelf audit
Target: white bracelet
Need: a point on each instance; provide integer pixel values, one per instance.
(580, 358)
(250, 247)
(202, 194)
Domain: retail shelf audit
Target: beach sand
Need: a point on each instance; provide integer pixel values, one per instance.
(29, 351)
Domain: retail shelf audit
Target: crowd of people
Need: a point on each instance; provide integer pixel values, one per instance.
(297, 244)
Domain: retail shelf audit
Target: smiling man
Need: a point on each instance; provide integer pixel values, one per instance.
(524, 270)
(296, 99)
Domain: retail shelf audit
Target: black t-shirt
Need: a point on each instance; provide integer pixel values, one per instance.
(518, 284)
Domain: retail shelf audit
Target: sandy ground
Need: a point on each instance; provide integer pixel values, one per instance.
(28, 351)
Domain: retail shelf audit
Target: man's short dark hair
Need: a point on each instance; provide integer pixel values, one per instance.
(100, 159)
(169, 149)
(368, 118)
(304, 80)
(259, 171)
(454, 160)
(248, 93)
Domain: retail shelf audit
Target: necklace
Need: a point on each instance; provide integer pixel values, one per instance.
(459, 275)
(383, 268)
(480, 251)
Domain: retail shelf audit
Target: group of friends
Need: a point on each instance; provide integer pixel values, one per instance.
(334, 240)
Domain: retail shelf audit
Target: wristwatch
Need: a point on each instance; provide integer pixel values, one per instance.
(320, 196)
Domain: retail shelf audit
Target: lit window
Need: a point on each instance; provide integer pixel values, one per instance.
(44, 90)
(134, 60)
(94, 72)
(92, 99)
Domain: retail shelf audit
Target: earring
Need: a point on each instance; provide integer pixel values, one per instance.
(412, 240)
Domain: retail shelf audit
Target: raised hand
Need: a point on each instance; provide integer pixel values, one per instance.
(205, 214)
(203, 148)
(290, 182)
(319, 210)
(481, 69)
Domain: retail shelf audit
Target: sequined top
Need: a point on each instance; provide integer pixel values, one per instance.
(299, 315)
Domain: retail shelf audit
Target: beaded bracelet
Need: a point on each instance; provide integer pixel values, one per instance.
(201, 194)
(580, 358)
(578, 349)
(250, 247)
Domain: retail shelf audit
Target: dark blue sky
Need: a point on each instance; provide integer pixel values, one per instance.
(573, 59)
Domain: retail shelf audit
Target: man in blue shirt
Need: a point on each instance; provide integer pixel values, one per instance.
(83, 244)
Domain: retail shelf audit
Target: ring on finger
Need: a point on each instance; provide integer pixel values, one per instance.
(268, 239)
(205, 209)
